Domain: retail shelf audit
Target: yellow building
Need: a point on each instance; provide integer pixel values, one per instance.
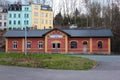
(42, 16)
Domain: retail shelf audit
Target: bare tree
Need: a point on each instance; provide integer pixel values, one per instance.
(94, 12)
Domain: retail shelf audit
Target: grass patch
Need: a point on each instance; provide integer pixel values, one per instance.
(47, 61)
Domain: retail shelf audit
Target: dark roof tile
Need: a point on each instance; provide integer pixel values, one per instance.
(71, 32)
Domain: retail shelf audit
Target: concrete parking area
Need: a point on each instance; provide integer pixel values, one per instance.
(108, 69)
(105, 62)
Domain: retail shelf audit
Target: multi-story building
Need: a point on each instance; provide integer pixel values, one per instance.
(21, 16)
(3, 18)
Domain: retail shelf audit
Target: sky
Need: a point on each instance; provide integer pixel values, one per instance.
(58, 4)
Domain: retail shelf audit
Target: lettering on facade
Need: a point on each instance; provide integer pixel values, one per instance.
(56, 36)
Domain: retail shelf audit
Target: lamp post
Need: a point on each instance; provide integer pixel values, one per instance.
(25, 32)
(25, 40)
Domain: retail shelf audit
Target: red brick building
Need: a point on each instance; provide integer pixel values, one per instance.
(60, 41)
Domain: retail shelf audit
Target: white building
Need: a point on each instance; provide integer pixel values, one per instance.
(3, 18)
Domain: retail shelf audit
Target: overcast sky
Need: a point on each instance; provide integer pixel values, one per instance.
(58, 4)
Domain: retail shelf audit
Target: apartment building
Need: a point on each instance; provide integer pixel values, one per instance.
(3, 18)
(21, 16)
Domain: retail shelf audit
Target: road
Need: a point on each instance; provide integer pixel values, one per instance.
(108, 69)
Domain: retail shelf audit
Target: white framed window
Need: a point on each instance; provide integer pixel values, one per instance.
(56, 45)
(26, 15)
(14, 15)
(18, 15)
(35, 20)
(50, 22)
(40, 45)
(15, 45)
(46, 21)
(42, 14)
(36, 7)
(35, 13)
(28, 45)
(100, 45)
(5, 17)
(73, 45)
(42, 21)
(46, 14)
(50, 15)
(5, 24)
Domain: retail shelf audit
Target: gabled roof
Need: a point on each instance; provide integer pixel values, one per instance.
(58, 30)
(70, 32)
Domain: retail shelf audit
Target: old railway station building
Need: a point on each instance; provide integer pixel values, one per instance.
(60, 41)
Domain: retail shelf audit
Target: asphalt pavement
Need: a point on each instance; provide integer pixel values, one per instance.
(108, 68)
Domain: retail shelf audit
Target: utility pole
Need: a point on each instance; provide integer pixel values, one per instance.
(25, 34)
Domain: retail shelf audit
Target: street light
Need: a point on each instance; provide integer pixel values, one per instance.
(25, 41)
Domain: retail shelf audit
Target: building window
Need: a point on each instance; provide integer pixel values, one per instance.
(14, 22)
(35, 20)
(42, 14)
(0, 17)
(35, 13)
(18, 15)
(50, 22)
(14, 15)
(5, 17)
(40, 45)
(15, 45)
(10, 15)
(46, 21)
(51, 15)
(26, 15)
(42, 22)
(36, 7)
(27, 22)
(99, 44)
(26, 8)
(73, 45)
(5, 24)
(85, 43)
(10, 22)
(0, 23)
(18, 22)
(53, 45)
(28, 45)
(56, 45)
(46, 14)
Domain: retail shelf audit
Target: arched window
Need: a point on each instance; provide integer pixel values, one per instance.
(100, 44)
(40, 45)
(73, 44)
(85, 43)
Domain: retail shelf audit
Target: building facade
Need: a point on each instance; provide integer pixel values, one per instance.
(3, 18)
(21, 16)
(60, 41)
